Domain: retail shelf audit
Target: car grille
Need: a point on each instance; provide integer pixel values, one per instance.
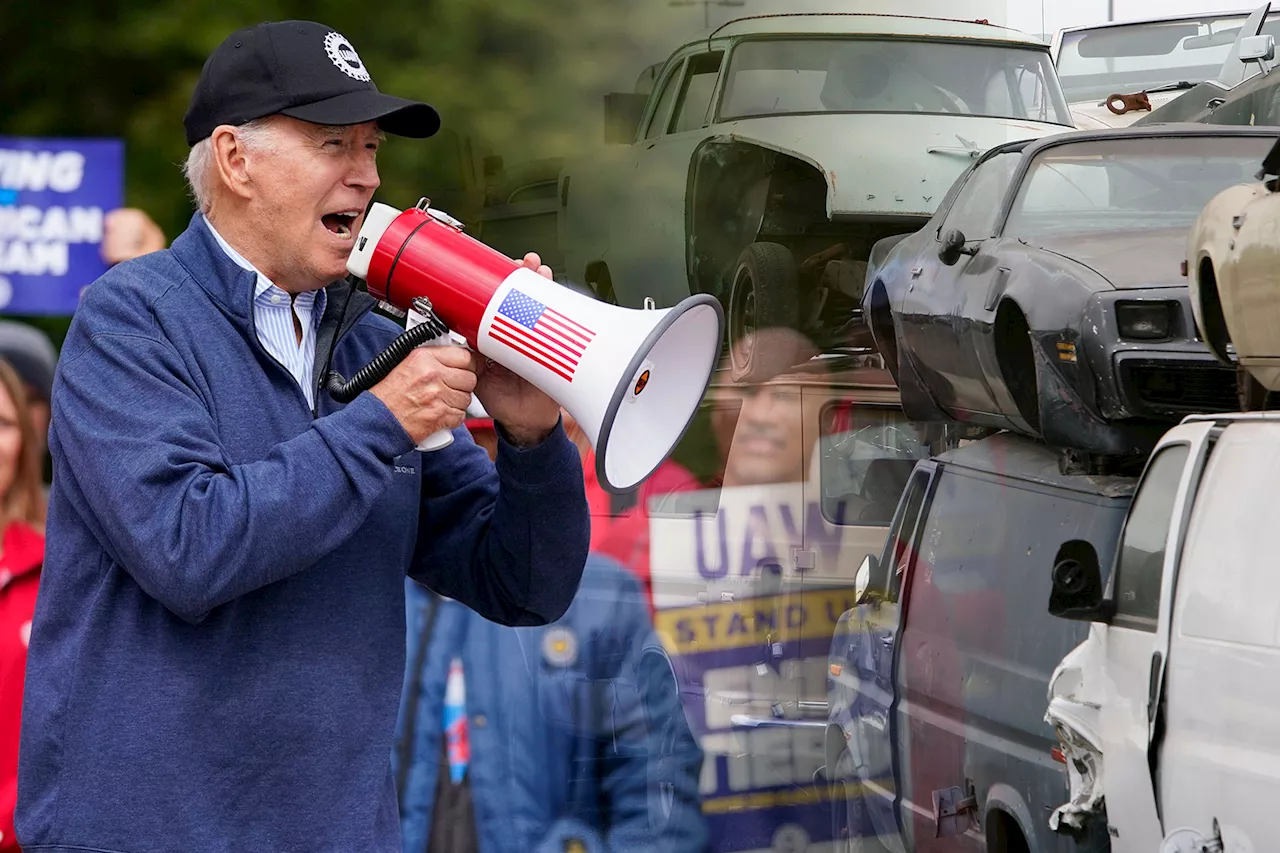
(1184, 387)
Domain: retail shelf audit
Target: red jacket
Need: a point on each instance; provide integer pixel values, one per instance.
(23, 552)
(624, 535)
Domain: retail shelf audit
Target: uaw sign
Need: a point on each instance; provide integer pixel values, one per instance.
(744, 637)
(54, 197)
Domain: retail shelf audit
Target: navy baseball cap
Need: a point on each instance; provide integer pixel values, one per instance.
(300, 69)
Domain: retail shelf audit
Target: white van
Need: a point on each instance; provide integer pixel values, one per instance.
(1167, 711)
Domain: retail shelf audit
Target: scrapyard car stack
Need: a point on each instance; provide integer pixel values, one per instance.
(775, 150)
(1046, 296)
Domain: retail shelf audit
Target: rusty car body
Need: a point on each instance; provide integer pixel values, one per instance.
(1045, 296)
(775, 150)
(1233, 272)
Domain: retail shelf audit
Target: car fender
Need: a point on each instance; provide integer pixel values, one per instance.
(1213, 239)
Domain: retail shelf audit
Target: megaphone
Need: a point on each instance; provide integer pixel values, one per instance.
(631, 378)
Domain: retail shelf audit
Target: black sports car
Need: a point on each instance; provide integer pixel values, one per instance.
(1046, 295)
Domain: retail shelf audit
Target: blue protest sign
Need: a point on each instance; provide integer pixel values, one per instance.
(54, 196)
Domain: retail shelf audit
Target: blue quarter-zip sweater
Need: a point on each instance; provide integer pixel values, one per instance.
(218, 645)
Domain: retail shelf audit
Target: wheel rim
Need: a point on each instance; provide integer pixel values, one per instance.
(742, 322)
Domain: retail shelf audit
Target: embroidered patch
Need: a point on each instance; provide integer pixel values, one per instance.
(560, 647)
(344, 56)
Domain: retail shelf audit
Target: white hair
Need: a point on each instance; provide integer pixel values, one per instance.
(260, 134)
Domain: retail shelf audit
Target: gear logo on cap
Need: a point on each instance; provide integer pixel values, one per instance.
(344, 56)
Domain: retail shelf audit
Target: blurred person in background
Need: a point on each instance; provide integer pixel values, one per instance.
(22, 510)
(129, 233)
(763, 440)
(32, 357)
(566, 737)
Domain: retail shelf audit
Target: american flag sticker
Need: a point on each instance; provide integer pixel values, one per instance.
(541, 333)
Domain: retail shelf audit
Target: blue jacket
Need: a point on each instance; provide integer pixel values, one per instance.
(576, 728)
(218, 643)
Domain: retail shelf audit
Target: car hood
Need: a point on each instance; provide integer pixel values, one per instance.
(1128, 260)
(880, 163)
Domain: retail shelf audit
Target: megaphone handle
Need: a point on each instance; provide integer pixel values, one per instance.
(443, 438)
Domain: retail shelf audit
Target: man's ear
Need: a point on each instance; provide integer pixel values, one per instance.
(230, 161)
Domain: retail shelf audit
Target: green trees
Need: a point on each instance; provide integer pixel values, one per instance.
(519, 78)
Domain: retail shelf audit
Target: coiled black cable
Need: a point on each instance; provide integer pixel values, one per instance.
(344, 390)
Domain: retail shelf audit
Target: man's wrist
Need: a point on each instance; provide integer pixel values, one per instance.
(525, 436)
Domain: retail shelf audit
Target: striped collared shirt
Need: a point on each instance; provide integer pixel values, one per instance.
(273, 313)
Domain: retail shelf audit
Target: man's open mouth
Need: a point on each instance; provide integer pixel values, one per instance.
(340, 223)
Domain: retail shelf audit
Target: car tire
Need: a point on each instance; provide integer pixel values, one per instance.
(764, 294)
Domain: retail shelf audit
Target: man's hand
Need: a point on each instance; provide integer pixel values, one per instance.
(429, 390)
(526, 413)
(129, 233)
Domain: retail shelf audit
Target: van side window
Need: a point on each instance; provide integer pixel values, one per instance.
(867, 454)
(902, 541)
(1140, 564)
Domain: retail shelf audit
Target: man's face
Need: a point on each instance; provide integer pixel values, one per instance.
(310, 193)
(768, 443)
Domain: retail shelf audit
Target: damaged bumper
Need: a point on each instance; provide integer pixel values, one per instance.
(1075, 714)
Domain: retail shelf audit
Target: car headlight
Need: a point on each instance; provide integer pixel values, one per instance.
(1147, 321)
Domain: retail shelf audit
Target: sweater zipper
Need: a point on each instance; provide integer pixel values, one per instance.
(345, 324)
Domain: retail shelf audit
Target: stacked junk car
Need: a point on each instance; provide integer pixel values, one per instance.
(980, 600)
(1068, 640)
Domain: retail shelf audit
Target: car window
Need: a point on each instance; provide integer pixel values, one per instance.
(901, 544)
(977, 207)
(695, 97)
(1140, 564)
(781, 76)
(867, 454)
(670, 87)
(1095, 64)
(1133, 183)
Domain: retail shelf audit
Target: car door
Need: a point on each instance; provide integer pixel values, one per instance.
(872, 802)
(1133, 661)
(1218, 735)
(936, 290)
(647, 257)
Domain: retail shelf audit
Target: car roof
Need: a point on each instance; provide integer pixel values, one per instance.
(1030, 147)
(1017, 457)
(1160, 19)
(863, 23)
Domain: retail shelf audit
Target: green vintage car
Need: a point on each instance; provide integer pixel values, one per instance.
(773, 151)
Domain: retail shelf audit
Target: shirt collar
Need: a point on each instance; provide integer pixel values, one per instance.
(264, 284)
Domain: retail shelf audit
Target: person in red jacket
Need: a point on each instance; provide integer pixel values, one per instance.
(21, 553)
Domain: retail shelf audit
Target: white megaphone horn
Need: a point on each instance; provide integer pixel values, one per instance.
(631, 378)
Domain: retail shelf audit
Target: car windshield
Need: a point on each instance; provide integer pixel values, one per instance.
(790, 76)
(1130, 184)
(1095, 64)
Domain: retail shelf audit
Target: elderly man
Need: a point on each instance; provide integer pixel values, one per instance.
(218, 646)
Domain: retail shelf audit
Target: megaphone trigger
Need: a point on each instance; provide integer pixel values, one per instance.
(420, 313)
